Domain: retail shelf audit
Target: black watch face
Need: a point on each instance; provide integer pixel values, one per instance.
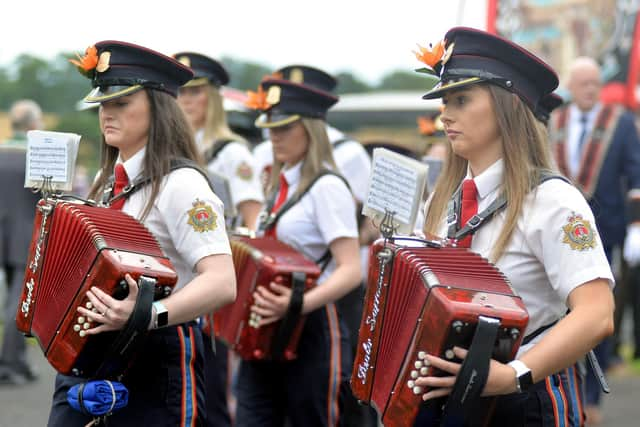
(163, 319)
(526, 381)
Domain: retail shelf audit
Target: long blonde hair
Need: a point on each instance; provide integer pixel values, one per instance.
(319, 156)
(216, 127)
(525, 150)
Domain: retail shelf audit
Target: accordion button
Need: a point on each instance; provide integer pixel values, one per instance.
(424, 371)
(449, 354)
(89, 305)
(76, 328)
(417, 390)
(87, 325)
(411, 384)
(82, 334)
(418, 364)
(81, 320)
(414, 374)
(422, 355)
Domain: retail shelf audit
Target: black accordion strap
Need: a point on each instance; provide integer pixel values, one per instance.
(140, 182)
(478, 220)
(270, 220)
(290, 319)
(216, 148)
(130, 337)
(459, 409)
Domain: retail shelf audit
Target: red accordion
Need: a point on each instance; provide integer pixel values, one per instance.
(75, 247)
(426, 300)
(259, 261)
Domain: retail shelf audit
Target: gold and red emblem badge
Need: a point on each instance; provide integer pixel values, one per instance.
(578, 233)
(202, 217)
(244, 171)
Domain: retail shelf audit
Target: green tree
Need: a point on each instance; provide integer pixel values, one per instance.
(349, 83)
(245, 75)
(404, 80)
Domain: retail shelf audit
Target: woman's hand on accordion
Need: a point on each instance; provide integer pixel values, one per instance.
(501, 378)
(271, 304)
(107, 312)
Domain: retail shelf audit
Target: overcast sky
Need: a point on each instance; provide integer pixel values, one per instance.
(368, 38)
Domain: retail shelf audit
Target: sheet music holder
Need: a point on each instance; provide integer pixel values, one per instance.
(396, 185)
(51, 155)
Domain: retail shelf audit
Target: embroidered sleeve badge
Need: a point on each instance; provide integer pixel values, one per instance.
(244, 171)
(202, 217)
(578, 233)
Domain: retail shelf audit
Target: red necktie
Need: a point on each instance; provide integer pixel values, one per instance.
(469, 208)
(283, 189)
(121, 181)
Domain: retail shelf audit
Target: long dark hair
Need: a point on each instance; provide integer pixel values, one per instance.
(170, 137)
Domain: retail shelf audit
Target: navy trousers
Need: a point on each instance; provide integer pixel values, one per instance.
(166, 384)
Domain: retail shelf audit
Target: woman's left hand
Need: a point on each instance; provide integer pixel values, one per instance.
(271, 304)
(501, 378)
(111, 314)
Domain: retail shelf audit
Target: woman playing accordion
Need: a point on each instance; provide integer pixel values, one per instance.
(312, 210)
(497, 195)
(147, 142)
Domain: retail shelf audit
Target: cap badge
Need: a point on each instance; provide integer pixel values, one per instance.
(184, 60)
(273, 95)
(202, 217)
(103, 61)
(578, 233)
(296, 75)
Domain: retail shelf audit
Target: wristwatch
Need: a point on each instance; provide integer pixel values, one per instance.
(161, 318)
(524, 379)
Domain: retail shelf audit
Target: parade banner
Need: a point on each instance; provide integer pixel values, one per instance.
(560, 30)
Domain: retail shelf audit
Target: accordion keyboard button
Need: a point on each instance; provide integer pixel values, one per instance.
(411, 384)
(424, 371)
(76, 328)
(422, 355)
(418, 364)
(414, 374)
(82, 334)
(86, 325)
(417, 390)
(89, 305)
(81, 320)
(449, 354)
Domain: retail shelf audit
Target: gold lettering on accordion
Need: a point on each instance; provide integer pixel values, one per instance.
(26, 304)
(371, 319)
(33, 265)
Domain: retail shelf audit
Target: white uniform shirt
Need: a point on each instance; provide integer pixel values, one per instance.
(574, 130)
(541, 262)
(236, 163)
(325, 213)
(186, 218)
(351, 158)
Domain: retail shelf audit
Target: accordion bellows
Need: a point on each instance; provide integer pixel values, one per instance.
(258, 262)
(74, 247)
(425, 300)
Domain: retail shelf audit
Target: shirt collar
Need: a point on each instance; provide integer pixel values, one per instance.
(575, 113)
(134, 165)
(292, 175)
(489, 180)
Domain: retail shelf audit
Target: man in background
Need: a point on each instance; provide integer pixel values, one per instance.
(597, 147)
(17, 211)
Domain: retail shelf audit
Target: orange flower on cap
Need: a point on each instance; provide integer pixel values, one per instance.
(430, 55)
(426, 125)
(87, 63)
(257, 100)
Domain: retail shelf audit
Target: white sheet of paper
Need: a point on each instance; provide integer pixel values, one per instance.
(396, 185)
(51, 154)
